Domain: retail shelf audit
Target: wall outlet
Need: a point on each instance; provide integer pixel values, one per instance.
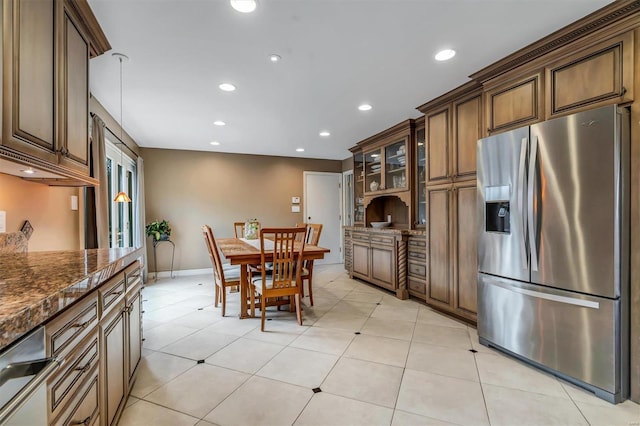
(3, 221)
(295, 209)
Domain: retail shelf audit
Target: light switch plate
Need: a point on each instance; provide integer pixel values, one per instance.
(74, 202)
(295, 209)
(3, 221)
(295, 200)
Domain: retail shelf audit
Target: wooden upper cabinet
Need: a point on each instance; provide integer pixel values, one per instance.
(437, 127)
(46, 48)
(467, 129)
(74, 102)
(514, 104)
(29, 120)
(601, 74)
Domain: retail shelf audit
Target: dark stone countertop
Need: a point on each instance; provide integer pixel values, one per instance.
(35, 286)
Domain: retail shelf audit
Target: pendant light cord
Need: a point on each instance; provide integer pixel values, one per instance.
(121, 123)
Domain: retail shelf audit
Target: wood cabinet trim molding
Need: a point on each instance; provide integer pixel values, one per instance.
(399, 131)
(97, 39)
(591, 23)
(468, 89)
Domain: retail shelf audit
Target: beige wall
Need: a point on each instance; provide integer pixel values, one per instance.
(347, 164)
(191, 188)
(48, 209)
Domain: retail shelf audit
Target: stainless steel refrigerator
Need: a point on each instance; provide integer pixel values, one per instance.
(553, 258)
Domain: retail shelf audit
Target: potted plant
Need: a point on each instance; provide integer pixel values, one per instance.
(158, 230)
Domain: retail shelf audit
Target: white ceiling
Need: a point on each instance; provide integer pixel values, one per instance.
(336, 54)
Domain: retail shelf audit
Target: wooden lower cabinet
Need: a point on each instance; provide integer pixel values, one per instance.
(348, 257)
(86, 411)
(417, 266)
(112, 363)
(375, 259)
(452, 248)
(361, 260)
(98, 341)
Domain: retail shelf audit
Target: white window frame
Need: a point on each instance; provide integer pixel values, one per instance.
(126, 237)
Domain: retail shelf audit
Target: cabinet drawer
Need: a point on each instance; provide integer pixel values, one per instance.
(417, 269)
(379, 239)
(133, 276)
(111, 292)
(84, 408)
(67, 330)
(417, 242)
(360, 237)
(417, 254)
(417, 286)
(64, 385)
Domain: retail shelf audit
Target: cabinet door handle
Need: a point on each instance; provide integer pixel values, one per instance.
(116, 293)
(81, 325)
(130, 308)
(81, 422)
(84, 369)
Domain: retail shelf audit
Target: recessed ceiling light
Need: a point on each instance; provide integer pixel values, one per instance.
(365, 107)
(244, 6)
(274, 58)
(227, 87)
(300, 149)
(375, 155)
(28, 171)
(325, 133)
(219, 123)
(215, 143)
(420, 143)
(445, 54)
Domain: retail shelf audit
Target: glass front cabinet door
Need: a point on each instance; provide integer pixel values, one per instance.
(373, 171)
(358, 188)
(395, 166)
(421, 188)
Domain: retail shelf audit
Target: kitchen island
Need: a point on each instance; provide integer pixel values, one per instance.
(90, 304)
(36, 286)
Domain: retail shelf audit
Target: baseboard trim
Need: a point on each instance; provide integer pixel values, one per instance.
(181, 273)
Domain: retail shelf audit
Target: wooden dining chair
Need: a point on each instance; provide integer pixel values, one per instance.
(312, 237)
(223, 275)
(284, 277)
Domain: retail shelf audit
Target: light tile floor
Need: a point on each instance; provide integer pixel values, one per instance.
(377, 360)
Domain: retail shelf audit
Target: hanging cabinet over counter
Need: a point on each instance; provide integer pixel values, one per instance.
(45, 100)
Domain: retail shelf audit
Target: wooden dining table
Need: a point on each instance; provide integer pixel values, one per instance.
(243, 252)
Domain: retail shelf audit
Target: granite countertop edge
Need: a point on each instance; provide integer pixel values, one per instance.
(31, 295)
(418, 232)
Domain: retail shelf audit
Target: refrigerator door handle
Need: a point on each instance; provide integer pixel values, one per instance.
(545, 296)
(521, 197)
(533, 159)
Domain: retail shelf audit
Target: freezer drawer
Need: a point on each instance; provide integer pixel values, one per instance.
(573, 334)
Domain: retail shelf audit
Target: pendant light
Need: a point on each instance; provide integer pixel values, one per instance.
(122, 196)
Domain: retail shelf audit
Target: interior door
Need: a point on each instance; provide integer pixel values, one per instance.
(322, 204)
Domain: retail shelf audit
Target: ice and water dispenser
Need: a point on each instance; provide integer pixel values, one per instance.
(497, 209)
